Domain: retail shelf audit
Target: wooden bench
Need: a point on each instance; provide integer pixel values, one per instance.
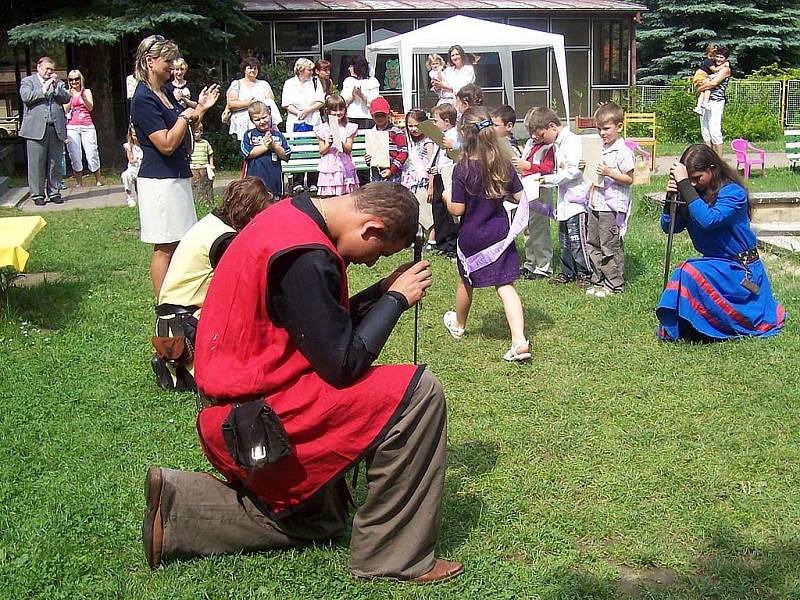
(792, 137)
(305, 154)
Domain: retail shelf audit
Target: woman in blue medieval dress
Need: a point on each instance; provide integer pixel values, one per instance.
(725, 293)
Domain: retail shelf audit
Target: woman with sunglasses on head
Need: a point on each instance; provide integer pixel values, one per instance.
(725, 293)
(163, 127)
(81, 133)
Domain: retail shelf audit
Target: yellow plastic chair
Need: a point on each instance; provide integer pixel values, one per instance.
(648, 120)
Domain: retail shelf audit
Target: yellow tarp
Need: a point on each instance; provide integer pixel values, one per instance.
(16, 234)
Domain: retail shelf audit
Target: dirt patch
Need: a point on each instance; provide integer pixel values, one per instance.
(28, 280)
(633, 583)
(120, 272)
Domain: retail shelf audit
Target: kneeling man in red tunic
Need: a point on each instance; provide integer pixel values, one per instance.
(284, 364)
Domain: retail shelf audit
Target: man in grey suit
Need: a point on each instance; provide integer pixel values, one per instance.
(44, 126)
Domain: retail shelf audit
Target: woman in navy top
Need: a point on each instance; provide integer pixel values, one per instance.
(725, 293)
(163, 127)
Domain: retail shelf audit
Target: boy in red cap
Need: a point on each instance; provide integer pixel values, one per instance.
(398, 147)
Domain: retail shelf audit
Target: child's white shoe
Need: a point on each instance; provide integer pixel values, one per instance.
(698, 110)
(518, 352)
(450, 322)
(131, 202)
(591, 291)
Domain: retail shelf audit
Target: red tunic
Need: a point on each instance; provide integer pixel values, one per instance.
(241, 355)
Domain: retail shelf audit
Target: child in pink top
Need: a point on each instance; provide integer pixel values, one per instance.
(337, 173)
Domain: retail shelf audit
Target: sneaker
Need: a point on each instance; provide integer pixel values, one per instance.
(57, 199)
(530, 275)
(298, 189)
(99, 184)
(39, 200)
(131, 202)
(312, 189)
(604, 292)
(559, 279)
(697, 110)
(591, 291)
(449, 320)
(518, 353)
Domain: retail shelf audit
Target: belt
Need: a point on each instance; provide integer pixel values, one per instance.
(747, 257)
(164, 310)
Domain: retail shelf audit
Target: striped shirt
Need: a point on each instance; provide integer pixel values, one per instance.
(718, 93)
(202, 152)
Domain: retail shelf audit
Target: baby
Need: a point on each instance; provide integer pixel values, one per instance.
(435, 65)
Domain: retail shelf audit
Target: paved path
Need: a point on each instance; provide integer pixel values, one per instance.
(114, 195)
(97, 197)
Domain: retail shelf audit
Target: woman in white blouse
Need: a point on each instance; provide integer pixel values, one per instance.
(302, 98)
(458, 73)
(358, 91)
(243, 92)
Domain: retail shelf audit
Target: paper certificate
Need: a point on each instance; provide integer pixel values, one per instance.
(437, 137)
(377, 147)
(333, 123)
(592, 154)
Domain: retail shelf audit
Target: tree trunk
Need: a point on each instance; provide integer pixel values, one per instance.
(94, 63)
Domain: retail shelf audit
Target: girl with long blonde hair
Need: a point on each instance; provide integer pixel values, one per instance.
(483, 180)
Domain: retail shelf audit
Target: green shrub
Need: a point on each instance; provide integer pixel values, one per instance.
(226, 149)
(677, 122)
(674, 117)
(754, 122)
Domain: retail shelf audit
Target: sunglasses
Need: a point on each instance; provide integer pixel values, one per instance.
(73, 79)
(156, 40)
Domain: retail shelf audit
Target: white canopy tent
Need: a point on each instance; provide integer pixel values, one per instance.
(474, 35)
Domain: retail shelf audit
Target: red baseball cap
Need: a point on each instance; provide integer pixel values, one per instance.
(379, 105)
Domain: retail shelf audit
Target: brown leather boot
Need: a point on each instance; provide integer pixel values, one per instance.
(152, 528)
(442, 571)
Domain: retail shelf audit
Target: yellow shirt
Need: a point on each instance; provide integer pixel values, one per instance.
(189, 273)
(201, 154)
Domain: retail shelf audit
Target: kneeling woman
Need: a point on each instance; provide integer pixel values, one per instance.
(725, 293)
(189, 275)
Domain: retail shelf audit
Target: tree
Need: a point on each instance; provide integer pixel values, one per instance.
(202, 30)
(674, 34)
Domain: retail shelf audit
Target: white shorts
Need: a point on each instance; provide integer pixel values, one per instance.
(711, 122)
(166, 209)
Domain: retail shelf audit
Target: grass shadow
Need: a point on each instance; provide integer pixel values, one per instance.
(50, 304)
(634, 267)
(461, 511)
(493, 324)
(731, 566)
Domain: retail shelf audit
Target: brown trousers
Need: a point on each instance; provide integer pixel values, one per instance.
(606, 250)
(394, 531)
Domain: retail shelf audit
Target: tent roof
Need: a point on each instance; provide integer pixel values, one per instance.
(416, 6)
(474, 35)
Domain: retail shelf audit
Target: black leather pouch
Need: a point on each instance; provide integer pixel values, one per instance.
(255, 435)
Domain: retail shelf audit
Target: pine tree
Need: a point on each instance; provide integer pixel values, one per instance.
(674, 34)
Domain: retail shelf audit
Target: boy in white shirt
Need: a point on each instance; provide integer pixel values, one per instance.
(570, 208)
(444, 225)
(610, 205)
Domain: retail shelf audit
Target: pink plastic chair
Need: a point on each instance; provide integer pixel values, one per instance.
(637, 148)
(740, 147)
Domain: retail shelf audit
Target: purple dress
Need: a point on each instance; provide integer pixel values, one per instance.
(485, 221)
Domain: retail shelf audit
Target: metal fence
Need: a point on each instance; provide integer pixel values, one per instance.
(781, 95)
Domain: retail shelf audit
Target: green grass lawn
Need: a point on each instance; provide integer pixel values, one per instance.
(610, 466)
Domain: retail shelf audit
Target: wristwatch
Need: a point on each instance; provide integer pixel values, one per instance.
(186, 118)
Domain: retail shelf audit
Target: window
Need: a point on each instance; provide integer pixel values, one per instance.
(382, 30)
(257, 42)
(577, 81)
(530, 68)
(575, 31)
(341, 41)
(611, 45)
(297, 37)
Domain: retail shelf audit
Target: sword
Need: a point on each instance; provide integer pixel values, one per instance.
(672, 199)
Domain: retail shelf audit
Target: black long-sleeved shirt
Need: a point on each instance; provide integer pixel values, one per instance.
(305, 287)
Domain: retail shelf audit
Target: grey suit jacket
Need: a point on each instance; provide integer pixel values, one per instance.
(37, 104)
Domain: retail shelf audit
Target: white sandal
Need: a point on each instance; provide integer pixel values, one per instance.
(515, 355)
(450, 322)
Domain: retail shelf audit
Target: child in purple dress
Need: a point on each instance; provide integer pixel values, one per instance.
(337, 173)
(486, 252)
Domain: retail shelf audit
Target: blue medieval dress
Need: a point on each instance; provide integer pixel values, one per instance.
(725, 293)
